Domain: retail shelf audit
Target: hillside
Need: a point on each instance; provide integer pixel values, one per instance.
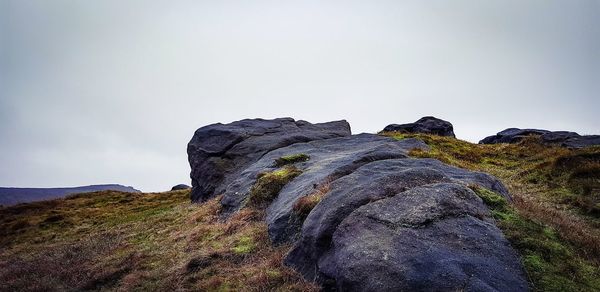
(12, 196)
(162, 241)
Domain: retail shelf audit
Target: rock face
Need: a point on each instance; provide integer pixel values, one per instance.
(427, 125)
(218, 152)
(180, 187)
(432, 238)
(329, 160)
(343, 238)
(380, 221)
(560, 138)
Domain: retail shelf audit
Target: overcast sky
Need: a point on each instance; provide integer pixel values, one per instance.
(111, 91)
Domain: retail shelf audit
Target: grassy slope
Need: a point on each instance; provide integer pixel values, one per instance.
(554, 220)
(160, 241)
(112, 240)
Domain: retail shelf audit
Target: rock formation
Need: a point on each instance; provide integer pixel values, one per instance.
(359, 213)
(427, 125)
(180, 187)
(560, 138)
(218, 152)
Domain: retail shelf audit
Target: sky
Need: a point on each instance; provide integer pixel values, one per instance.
(111, 91)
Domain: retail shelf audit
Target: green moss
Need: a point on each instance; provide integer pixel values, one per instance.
(549, 261)
(244, 245)
(491, 199)
(269, 184)
(291, 159)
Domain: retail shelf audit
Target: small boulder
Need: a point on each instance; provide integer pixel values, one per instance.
(180, 187)
(426, 125)
(512, 135)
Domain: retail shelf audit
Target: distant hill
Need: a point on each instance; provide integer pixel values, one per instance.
(12, 196)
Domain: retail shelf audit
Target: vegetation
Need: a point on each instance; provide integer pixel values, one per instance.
(553, 220)
(305, 204)
(268, 185)
(291, 159)
(160, 241)
(145, 242)
(550, 263)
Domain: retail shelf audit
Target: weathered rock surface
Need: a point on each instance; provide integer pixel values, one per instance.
(560, 138)
(329, 160)
(180, 187)
(384, 221)
(427, 125)
(373, 182)
(433, 238)
(218, 152)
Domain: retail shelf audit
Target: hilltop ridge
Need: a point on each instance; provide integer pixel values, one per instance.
(11, 195)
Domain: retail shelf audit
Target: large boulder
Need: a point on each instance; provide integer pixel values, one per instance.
(219, 152)
(312, 253)
(327, 161)
(559, 138)
(438, 237)
(427, 125)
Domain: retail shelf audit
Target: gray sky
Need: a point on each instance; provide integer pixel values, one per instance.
(111, 91)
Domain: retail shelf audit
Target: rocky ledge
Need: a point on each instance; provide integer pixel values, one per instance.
(560, 138)
(359, 213)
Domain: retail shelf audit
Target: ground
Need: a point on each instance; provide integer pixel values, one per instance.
(161, 241)
(148, 242)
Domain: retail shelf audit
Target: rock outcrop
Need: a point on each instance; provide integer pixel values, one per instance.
(218, 152)
(180, 187)
(560, 138)
(360, 214)
(427, 125)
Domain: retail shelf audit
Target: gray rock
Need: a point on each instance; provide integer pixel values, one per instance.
(434, 238)
(582, 141)
(386, 222)
(512, 135)
(180, 187)
(427, 125)
(560, 138)
(371, 182)
(328, 160)
(219, 152)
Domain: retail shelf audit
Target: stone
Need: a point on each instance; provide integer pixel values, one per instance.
(372, 182)
(557, 138)
(382, 221)
(328, 160)
(180, 187)
(426, 125)
(437, 237)
(218, 152)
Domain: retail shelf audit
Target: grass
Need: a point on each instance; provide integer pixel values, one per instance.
(120, 241)
(304, 205)
(291, 159)
(268, 185)
(551, 263)
(160, 241)
(552, 220)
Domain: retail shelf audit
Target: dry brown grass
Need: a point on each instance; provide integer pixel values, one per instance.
(119, 241)
(305, 204)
